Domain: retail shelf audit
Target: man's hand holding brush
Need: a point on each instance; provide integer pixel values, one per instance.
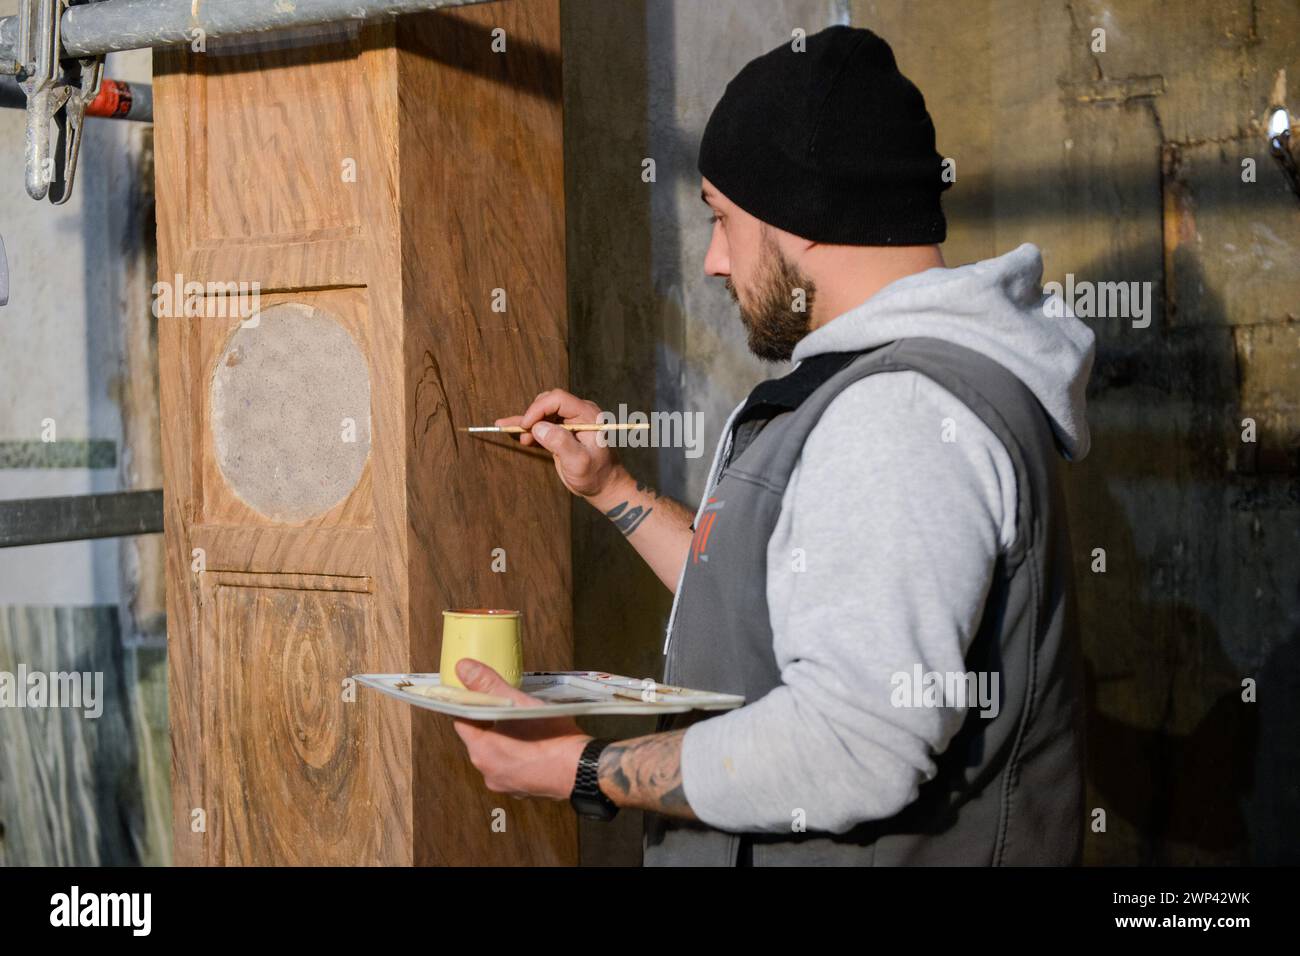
(658, 527)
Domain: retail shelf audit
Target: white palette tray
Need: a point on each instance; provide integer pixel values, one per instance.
(564, 694)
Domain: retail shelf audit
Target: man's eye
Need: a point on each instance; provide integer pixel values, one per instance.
(714, 218)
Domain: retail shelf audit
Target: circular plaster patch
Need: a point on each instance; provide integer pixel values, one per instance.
(291, 412)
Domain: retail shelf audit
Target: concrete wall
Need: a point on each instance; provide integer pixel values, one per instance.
(76, 346)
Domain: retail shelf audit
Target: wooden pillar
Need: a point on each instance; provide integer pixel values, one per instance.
(396, 191)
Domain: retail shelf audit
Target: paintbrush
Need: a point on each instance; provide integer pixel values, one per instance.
(573, 427)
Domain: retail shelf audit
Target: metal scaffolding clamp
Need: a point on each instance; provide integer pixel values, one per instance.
(57, 91)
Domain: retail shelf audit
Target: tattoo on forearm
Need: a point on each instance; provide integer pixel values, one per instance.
(646, 772)
(646, 489)
(627, 519)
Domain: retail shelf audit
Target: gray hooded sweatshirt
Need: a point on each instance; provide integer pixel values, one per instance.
(896, 528)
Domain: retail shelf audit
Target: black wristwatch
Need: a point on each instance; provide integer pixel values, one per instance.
(587, 797)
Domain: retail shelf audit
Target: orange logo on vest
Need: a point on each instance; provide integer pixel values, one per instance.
(700, 540)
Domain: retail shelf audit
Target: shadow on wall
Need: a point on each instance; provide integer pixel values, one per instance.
(1186, 771)
(619, 606)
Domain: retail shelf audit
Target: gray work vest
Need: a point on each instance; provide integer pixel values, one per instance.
(1008, 790)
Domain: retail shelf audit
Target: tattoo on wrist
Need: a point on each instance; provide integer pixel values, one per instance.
(627, 519)
(646, 489)
(646, 772)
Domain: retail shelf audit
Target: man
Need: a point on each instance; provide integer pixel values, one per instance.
(880, 564)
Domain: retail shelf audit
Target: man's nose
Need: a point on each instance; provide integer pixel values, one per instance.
(716, 261)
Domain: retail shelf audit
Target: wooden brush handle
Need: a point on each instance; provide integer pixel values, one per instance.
(573, 427)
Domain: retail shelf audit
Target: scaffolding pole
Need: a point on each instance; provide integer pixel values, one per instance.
(113, 25)
(80, 517)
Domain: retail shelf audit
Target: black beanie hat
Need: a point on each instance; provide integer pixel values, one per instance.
(832, 144)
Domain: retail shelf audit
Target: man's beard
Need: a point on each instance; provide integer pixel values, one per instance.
(775, 328)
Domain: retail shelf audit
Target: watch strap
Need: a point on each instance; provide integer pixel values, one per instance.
(587, 797)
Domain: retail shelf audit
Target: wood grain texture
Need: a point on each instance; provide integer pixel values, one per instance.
(293, 751)
(458, 191)
(234, 146)
(488, 215)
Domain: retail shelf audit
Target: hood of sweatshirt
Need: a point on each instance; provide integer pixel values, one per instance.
(995, 307)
